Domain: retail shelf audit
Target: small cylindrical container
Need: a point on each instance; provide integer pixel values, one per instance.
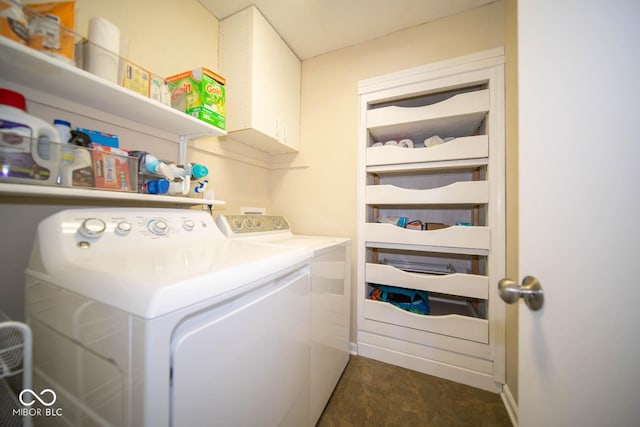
(64, 130)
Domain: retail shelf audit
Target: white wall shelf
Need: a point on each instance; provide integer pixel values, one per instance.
(28, 67)
(468, 285)
(40, 191)
(458, 193)
(460, 115)
(59, 83)
(457, 236)
(471, 147)
(453, 324)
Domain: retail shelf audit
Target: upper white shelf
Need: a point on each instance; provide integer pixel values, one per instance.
(470, 147)
(460, 115)
(457, 193)
(31, 68)
(25, 190)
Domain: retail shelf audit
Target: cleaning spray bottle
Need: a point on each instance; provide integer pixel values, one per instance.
(198, 183)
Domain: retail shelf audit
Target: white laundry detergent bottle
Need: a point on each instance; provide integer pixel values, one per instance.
(25, 153)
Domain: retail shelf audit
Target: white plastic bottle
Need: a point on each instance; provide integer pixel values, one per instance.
(67, 150)
(22, 146)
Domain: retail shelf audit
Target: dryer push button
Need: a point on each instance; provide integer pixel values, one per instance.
(123, 228)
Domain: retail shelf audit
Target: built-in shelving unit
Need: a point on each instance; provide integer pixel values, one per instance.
(431, 219)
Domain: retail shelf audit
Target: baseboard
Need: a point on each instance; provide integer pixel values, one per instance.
(353, 348)
(430, 367)
(510, 404)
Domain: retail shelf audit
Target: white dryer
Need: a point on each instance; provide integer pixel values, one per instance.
(330, 294)
(152, 317)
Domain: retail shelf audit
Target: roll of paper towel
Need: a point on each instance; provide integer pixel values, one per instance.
(102, 52)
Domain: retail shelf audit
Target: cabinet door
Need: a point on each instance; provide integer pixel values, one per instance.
(276, 85)
(263, 83)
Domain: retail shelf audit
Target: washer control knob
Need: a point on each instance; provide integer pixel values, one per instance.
(189, 225)
(257, 223)
(123, 228)
(159, 227)
(237, 224)
(92, 227)
(248, 223)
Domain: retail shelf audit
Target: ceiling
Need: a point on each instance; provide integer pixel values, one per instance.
(314, 27)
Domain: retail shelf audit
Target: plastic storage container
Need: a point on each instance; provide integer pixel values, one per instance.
(22, 160)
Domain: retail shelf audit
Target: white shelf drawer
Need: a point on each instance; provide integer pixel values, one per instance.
(452, 237)
(466, 285)
(455, 325)
(460, 115)
(470, 147)
(472, 192)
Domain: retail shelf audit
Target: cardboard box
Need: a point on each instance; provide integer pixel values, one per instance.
(101, 138)
(51, 27)
(135, 78)
(201, 94)
(113, 170)
(159, 90)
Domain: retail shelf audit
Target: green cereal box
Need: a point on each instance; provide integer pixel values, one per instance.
(199, 93)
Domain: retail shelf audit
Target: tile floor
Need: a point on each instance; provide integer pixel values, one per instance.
(372, 394)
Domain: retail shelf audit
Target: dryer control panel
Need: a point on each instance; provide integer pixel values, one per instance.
(128, 229)
(235, 225)
(94, 227)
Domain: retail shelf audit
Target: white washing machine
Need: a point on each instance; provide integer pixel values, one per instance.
(152, 317)
(330, 294)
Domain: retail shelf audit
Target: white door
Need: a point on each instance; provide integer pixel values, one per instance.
(579, 109)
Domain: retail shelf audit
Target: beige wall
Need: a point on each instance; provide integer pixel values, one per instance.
(166, 37)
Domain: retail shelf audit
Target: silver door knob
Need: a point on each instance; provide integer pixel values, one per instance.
(530, 291)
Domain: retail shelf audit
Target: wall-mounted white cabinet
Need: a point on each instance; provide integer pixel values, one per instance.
(263, 83)
(431, 180)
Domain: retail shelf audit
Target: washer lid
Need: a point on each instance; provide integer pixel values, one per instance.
(149, 262)
(151, 285)
(317, 244)
(273, 230)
